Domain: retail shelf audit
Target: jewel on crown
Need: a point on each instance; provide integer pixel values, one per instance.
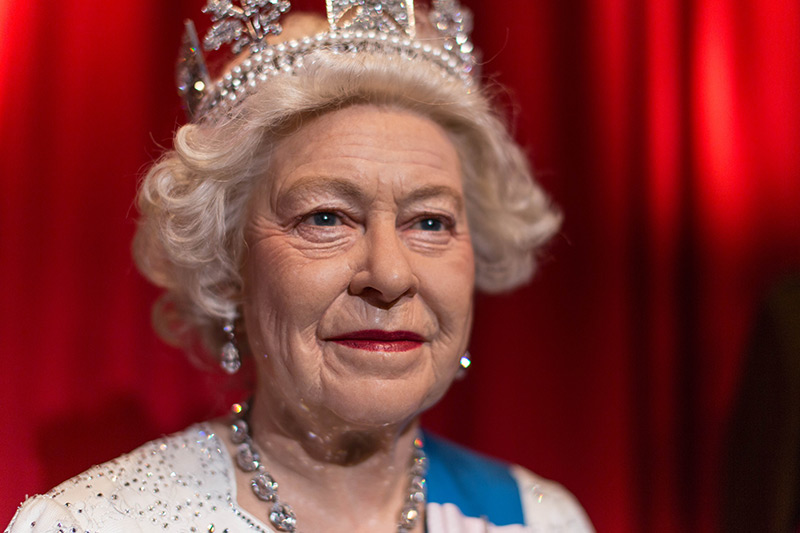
(372, 15)
(246, 24)
(377, 26)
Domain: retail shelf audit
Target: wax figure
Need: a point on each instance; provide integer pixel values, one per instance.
(342, 189)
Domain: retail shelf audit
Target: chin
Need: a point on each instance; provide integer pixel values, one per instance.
(381, 403)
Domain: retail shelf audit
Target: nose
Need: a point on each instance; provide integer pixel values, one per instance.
(385, 273)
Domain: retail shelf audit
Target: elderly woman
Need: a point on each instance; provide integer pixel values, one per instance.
(338, 196)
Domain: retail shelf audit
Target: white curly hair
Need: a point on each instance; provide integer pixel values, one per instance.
(193, 200)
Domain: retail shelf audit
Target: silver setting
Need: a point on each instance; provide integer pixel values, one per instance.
(372, 15)
(191, 74)
(246, 24)
(355, 26)
(455, 23)
(282, 517)
(239, 431)
(246, 457)
(264, 487)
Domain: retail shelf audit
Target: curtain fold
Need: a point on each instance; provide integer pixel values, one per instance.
(666, 130)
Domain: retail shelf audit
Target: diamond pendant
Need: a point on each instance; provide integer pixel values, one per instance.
(231, 362)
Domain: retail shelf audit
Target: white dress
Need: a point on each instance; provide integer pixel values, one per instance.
(186, 483)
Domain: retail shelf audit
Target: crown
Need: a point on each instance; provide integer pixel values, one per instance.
(372, 26)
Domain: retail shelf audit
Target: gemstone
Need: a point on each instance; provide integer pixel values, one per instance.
(282, 517)
(537, 493)
(418, 497)
(409, 516)
(418, 484)
(264, 487)
(246, 458)
(230, 358)
(420, 465)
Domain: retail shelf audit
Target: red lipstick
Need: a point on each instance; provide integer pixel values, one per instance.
(376, 340)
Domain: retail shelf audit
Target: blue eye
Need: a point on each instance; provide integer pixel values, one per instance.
(325, 219)
(431, 224)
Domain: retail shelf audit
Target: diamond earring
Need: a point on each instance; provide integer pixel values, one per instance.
(229, 357)
(463, 365)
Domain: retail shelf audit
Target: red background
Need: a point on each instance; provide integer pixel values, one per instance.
(667, 130)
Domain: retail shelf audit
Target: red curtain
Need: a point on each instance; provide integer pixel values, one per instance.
(667, 130)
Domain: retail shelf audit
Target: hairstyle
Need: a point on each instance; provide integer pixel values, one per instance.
(193, 201)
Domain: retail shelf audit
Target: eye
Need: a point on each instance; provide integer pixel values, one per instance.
(324, 219)
(430, 224)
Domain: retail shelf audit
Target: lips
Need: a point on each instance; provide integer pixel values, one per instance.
(380, 341)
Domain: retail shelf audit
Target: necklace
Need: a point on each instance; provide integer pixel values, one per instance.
(281, 515)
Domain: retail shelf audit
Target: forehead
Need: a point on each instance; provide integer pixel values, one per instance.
(368, 143)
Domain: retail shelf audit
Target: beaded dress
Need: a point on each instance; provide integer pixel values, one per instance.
(186, 483)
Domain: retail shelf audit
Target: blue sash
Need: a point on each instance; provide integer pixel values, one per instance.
(480, 487)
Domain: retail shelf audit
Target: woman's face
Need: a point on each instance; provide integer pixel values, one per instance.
(360, 271)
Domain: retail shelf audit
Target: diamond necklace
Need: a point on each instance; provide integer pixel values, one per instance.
(281, 515)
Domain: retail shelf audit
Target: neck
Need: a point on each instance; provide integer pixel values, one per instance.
(298, 435)
(335, 476)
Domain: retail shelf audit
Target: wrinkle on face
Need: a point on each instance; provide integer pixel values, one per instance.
(378, 173)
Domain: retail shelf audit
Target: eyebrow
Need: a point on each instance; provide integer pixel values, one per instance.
(350, 191)
(315, 184)
(433, 191)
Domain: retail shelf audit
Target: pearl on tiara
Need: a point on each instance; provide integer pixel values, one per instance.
(387, 27)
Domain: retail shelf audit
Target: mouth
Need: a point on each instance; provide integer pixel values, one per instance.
(376, 340)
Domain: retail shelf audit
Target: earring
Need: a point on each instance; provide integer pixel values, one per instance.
(229, 358)
(463, 365)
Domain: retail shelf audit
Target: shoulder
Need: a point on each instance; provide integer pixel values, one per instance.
(467, 486)
(151, 487)
(548, 504)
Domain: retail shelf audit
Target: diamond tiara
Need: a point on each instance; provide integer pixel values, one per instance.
(354, 26)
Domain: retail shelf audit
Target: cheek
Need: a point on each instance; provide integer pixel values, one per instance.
(290, 292)
(450, 286)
